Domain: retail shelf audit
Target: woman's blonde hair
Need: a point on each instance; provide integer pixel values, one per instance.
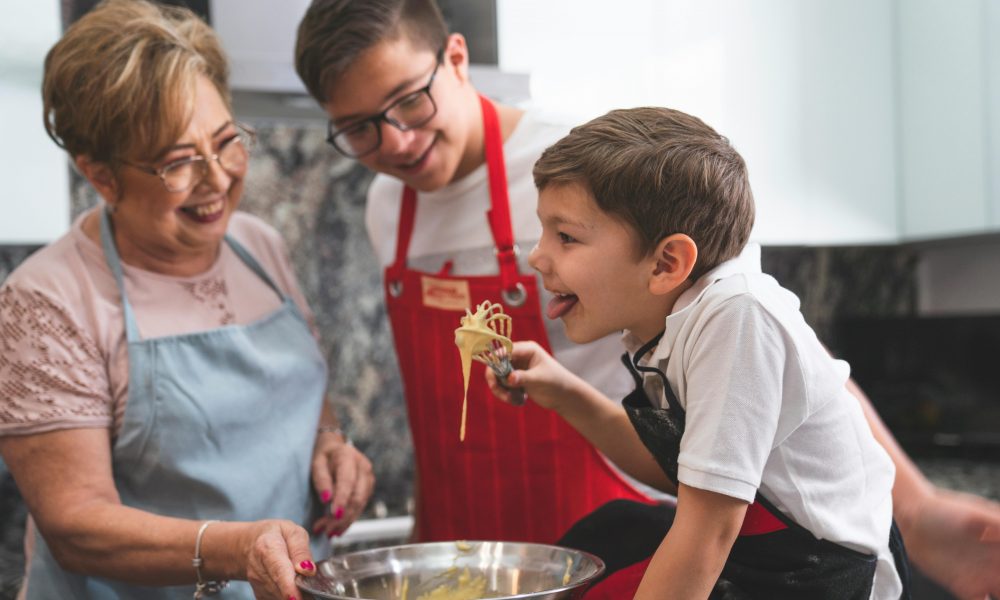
(121, 81)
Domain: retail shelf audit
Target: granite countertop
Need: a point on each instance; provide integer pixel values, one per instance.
(976, 477)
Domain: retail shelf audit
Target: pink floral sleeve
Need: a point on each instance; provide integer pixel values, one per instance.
(52, 373)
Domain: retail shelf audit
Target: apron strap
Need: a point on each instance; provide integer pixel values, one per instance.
(115, 264)
(498, 216)
(251, 262)
(499, 213)
(635, 369)
(404, 233)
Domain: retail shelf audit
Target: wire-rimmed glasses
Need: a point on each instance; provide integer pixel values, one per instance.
(182, 175)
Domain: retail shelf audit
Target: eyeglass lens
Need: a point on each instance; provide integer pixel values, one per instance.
(185, 174)
(410, 112)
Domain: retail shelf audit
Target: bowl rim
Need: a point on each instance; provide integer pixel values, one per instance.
(302, 582)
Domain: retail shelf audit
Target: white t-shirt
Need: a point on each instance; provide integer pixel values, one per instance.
(450, 225)
(766, 407)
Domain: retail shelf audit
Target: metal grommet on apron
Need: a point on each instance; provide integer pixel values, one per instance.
(395, 288)
(514, 297)
(504, 482)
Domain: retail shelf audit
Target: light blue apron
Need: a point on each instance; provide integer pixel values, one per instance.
(219, 425)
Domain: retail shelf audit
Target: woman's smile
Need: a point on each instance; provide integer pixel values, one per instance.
(206, 212)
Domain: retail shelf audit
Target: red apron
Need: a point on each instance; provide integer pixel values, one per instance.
(522, 473)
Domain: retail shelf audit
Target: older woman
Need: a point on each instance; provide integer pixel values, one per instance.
(161, 390)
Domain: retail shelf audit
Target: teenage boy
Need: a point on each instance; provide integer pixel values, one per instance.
(360, 59)
(451, 216)
(782, 490)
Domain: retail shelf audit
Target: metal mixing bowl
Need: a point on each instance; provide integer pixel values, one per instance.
(494, 569)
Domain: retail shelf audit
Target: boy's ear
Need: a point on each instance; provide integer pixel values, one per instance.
(101, 176)
(675, 259)
(456, 55)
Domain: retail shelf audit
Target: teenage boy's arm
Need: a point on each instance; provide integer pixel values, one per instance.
(600, 420)
(688, 562)
(953, 537)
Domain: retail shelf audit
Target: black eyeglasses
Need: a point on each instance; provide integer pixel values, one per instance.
(182, 175)
(409, 112)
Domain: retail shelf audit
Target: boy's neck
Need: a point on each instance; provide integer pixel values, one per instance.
(475, 148)
(662, 308)
(675, 295)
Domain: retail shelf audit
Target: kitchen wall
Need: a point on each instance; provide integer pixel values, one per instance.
(35, 188)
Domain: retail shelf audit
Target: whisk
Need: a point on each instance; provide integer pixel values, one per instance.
(485, 337)
(496, 356)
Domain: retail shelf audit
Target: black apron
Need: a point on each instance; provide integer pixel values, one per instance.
(773, 557)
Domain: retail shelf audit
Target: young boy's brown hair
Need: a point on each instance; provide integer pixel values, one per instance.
(662, 172)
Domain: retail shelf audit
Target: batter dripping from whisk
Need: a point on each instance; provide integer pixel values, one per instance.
(484, 337)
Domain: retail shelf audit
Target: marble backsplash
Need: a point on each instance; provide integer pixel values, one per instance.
(315, 199)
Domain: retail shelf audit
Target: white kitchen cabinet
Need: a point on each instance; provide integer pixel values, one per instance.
(992, 41)
(804, 90)
(34, 205)
(946, 120)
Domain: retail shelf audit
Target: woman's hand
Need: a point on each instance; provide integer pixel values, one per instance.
(541, 376)
(955, 539)
(344, 480)
(275, 552)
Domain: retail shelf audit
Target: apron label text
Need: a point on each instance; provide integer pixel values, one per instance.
(446, 294)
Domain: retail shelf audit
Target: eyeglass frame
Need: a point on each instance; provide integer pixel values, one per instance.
(161, 172)
(377, 119)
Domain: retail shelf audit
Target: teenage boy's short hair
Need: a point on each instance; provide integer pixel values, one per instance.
(661, 172)
(333, 33)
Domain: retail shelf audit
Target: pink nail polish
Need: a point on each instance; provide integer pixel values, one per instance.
(307, 565)
(339, 513)
(325, 496)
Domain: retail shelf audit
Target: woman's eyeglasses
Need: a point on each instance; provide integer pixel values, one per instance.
(182, 175)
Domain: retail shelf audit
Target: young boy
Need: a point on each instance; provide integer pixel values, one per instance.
(783, 491)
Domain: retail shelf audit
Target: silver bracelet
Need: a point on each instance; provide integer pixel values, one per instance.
(204, 588)
(336, 431)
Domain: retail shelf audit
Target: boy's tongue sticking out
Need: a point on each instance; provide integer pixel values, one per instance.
(560, 305)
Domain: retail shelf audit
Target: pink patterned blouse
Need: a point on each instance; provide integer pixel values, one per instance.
(63, 354)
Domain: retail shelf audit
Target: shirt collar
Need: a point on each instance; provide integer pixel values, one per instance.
(748, 261)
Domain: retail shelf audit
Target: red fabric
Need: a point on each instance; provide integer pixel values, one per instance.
(499, 213)
(522, 473)
(759, 520)
(623, 583)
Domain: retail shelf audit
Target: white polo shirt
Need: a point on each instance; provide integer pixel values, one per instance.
(767, 408)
